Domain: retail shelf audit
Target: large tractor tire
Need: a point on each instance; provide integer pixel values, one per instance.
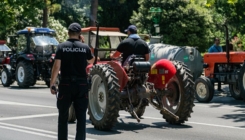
(181, 100)
(204, 89)
(6, 77)
(72, 115)
(235, 91)
(24, 74)
(241, 81)
(104, 97)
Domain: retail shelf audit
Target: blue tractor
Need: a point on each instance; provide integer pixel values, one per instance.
(32, 57)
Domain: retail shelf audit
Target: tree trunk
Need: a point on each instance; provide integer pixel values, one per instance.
(45, 15)
(93, 12)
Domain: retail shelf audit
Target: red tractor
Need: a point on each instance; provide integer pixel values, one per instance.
(4, 59)
(166, 85)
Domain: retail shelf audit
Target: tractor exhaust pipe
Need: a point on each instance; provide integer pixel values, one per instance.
(227, 44)
(96, 43)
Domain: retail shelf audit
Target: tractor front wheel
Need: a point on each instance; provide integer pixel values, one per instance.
(6, 77)
(104, 99)
(24, 74)
(204, 89)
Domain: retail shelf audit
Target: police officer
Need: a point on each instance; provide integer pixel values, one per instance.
(71, 59)
(132, 45)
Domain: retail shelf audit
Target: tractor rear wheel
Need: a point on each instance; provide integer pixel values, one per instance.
(235, 91)
(24, 74)
(72, 115)
(241, 81)
(204, 89)
(6, 77)
(104, 98)
(181, 100)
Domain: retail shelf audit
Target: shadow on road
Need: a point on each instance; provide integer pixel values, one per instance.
(34, 87)
(135, 127)
(220, 101)
(226, 100)
(237, 117)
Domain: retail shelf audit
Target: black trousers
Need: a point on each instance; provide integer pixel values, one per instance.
(76, 92)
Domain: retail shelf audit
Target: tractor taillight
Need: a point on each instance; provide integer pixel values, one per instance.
(53, 56)
(29, 55)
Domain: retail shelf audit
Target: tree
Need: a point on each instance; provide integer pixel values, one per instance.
(73, 11)
(17, 14)
(183, 23)
(232, 12)
(116, 13)
(93, 10)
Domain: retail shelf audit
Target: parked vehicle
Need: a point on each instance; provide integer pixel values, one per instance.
(4, 59)
(33, 57)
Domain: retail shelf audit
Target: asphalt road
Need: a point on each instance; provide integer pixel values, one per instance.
(31, 114)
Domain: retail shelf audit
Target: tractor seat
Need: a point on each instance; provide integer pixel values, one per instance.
(133, 58)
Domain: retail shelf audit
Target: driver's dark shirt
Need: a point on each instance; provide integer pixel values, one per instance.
(131, 46)
(73, 55)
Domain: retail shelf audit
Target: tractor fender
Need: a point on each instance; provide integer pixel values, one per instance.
(120, 73)
(7, 66)
(161, 72)
(28, 57)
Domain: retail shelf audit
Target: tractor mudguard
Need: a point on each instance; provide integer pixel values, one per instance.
(28, 57)
(7, 66)
(120, 73)
(161, 72)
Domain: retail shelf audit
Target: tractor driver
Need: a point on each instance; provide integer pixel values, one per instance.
(71, 58)
(213, 49)
(132, 45)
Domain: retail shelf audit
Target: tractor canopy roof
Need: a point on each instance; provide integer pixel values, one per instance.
(104, 31)
(36, 30)
(3, 46)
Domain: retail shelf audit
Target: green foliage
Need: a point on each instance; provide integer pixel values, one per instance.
(116, 13)
(73, 11)
(17, 14)
(61, 31)
(232, 12)
(183, 23)
(238, 42)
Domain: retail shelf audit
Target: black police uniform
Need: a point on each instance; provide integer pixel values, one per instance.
(73, 85)
(131, 46)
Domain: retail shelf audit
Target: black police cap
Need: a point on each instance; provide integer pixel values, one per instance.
(74, 27)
